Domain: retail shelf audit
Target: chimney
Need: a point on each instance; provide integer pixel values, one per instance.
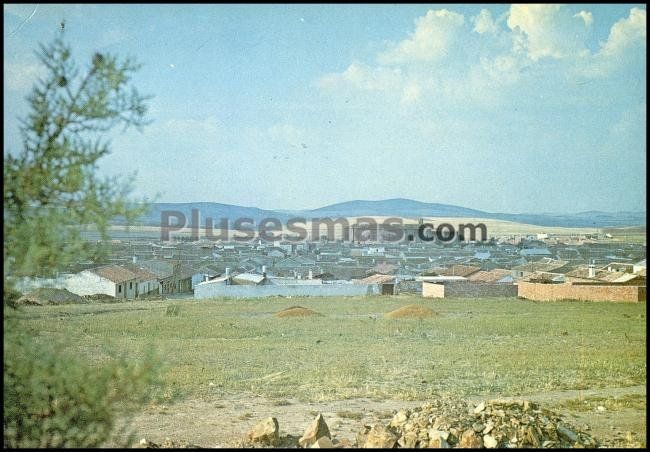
(227, 271)
(592, 270)
(311, 274)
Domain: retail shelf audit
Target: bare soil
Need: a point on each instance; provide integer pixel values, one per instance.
(219, 421)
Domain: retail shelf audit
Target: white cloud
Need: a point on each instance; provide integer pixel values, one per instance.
(626, 32)
(431, 41)
(483, 23)
(548, 30)
(364, 78)
(586, 16)
(21, 76)
(411, 94)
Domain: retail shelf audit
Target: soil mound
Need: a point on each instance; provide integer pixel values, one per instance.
(411, 311)
(45, 296)
(296, 311)
(102, 298)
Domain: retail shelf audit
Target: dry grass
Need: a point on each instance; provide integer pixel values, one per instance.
(505, 347)
(412, 311)
(296, 311)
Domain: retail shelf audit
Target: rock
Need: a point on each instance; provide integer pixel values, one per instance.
(408, 440)
(316, 430)
(478, 427)
(438, 439)
(480, 407)
(490, 441)
(322, 443)
(488, 427)
(568, 434)
(265, 432)
(600, 408)
(379, 437)
(400, 418)
(469, 440)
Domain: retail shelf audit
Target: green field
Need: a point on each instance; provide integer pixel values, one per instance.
(486, 347)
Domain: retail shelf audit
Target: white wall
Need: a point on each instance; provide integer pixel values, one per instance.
(208, 290)
(88, 283)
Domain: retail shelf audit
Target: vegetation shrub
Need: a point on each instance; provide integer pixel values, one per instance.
(53, 398)
(173, 310)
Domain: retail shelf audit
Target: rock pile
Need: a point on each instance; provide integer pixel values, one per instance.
(446, 423)
(167, 444)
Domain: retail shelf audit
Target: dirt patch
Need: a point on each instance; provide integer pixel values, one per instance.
(296, 311)
(411, 311)
(214, 420)
(47, 296)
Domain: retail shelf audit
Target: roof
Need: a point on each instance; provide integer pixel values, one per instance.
(535, 252)
(248, 278)
(458, 270)
(544, 265)
(544, 277)
(159, 268)
(438, 279)
(115, 273)
(489, 276)
(141, 272)
(377, 279)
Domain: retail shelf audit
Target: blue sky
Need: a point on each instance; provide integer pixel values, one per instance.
(522, 108)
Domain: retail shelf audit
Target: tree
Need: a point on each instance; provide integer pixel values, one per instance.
(51, 190)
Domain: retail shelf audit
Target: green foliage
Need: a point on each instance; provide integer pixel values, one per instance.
(50, 188)
(10, 296)
(54, 399)
(173, 310)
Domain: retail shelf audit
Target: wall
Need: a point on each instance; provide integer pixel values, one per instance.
(149, 286)
(88, 283)
(468, 290)
(432, 290)
(321, 290)
(584, 292)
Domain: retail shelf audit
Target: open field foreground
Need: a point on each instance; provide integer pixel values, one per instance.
(231, 363)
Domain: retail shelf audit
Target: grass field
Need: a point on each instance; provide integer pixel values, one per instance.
(503, 347)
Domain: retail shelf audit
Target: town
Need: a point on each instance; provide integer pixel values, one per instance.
(591, 266)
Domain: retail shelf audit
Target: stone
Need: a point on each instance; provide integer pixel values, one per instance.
(317, 429)
(490, 441)
(478, 427)
(399, 419)
(480, 407)
(438, 439)
(469, 440)
(265, 432)
(567, 434)
(379, 437)
(322, 443)
(408, 440)
(488, 427)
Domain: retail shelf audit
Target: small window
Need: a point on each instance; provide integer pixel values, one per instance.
(119, 288)
(131, 285)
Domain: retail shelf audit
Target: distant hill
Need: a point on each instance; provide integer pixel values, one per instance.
(406, 208)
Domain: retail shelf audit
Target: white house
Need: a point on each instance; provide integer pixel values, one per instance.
(111, 280)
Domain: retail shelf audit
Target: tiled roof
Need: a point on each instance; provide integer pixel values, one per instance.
(115, 273)
(458, 270)
(377, 279)
(489, 276)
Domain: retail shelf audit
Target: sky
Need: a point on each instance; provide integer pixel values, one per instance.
(518, 109)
